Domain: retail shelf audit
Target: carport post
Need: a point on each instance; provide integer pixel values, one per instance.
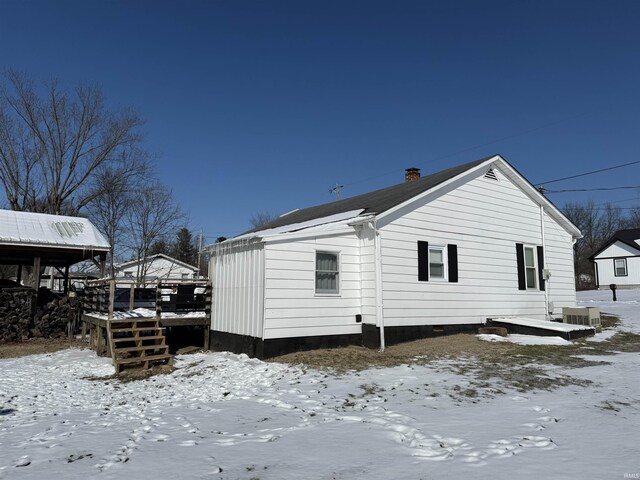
(36, 273)
(65, 284)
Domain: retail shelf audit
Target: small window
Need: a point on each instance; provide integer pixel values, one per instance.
(530, 267)
(327, 273)
(620, 267)
(128, 274)
(436, 262)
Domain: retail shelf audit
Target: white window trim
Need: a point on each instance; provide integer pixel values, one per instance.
(339, 280)
(534, 250)
(445, 261)
(615, 269)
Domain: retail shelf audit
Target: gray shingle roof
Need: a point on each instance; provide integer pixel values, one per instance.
(374, 202)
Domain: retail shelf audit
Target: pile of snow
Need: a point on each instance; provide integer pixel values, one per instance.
(524, 339)
(225, 416)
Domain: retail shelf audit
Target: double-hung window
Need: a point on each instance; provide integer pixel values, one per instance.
(327, 273)
(436, 263)
(620, 267)
(530, 267)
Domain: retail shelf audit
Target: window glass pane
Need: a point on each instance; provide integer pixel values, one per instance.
(326, 282)
(435, 256)
(326, 272)
(531, 278)
(436, 263)
(528, 257)
(436, 270)
(326, 262)
(621, 266)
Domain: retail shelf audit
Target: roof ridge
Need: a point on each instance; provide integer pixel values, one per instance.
(374, 202)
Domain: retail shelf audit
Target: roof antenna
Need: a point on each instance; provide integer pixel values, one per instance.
(336, 190)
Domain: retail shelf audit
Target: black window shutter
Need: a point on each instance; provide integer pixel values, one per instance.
(540, 267)
(423, 261)
(452, 256)
(522, 283)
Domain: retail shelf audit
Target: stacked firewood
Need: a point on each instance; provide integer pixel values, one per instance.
(16, 307)
(51, 319)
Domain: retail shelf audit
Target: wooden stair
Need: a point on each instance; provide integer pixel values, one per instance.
(137, 342)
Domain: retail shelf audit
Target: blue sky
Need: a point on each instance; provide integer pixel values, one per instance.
(263, 106)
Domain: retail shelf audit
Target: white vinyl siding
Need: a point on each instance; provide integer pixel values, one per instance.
(606, 265)
(292, 306)
(485, 220)
(368, 275)
(558, 253)
(158, 267)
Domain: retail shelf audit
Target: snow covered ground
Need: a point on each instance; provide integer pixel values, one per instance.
(227, 416)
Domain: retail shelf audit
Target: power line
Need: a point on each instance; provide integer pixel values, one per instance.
(589, 173)
(601, 189)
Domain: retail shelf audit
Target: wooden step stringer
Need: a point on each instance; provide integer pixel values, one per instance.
(137, 342)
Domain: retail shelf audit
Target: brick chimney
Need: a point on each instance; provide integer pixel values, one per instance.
(411, 174)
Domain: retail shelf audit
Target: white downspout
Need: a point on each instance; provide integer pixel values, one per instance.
(544, 259)
(379, 306)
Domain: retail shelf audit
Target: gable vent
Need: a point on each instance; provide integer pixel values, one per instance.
(491, 175)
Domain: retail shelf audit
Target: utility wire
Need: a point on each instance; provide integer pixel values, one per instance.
(589, 173)
(601, 189)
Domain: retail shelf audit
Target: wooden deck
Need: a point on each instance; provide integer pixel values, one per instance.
(97, 326)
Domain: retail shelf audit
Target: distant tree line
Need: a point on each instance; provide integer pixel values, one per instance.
(597, 224)
(64, 152)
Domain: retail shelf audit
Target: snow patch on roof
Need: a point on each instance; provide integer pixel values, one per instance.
(41, 229)
(317, 224)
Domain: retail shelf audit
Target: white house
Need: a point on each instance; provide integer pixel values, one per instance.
(159, 266)
(618, 261)
(441, 253)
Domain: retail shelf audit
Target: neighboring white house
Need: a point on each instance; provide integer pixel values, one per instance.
(159, 266)
(441, 253)
(618, 261)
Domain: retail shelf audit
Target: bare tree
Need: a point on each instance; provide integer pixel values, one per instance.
(54, 145)
(116, 186)
(633, 218)
(597, 224)
(153, 215)
(260, 219)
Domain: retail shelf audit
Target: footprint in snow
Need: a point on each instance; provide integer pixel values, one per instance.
(23, 461)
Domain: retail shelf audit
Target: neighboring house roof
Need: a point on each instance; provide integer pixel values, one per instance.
(386, 199)
(50, 231)
(630, 237)
(122, 266)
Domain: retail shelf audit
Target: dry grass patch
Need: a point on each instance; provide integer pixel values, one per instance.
(35, 346)
(418, 351)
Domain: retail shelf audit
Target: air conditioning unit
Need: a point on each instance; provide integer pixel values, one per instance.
(589, 316)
